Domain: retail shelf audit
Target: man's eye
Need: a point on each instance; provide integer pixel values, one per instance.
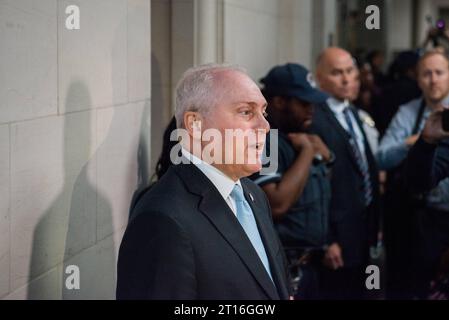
(245, 112)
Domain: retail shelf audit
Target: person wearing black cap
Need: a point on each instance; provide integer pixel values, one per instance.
(299, 190)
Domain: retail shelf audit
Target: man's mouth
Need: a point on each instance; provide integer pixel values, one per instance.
(258, 146)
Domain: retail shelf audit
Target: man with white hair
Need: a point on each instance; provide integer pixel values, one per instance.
(204, 231)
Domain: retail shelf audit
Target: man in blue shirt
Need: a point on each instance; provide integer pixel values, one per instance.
(299, 190)
(413, 226)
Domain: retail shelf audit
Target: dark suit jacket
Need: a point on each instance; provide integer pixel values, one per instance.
(351, 224)
(184, 242)
(426, 165)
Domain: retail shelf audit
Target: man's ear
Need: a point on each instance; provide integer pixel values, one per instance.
(192, 122)
(318, 77)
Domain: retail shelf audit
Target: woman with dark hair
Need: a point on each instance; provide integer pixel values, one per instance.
(376, 59)
(162, 165)
(401, 88)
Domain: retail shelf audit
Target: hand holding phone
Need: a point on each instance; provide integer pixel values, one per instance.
(436, 127)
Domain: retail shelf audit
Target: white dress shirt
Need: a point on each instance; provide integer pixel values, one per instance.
(337, 107)
(222, 182)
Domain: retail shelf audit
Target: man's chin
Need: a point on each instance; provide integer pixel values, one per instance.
(252, 168)
(345, 95)
(436, 98)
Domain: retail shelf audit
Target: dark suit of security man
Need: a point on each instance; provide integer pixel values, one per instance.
(354, 213)
(204, 231)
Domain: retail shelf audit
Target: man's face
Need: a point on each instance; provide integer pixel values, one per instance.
(355, 87)
(337, 76)
(297, 115)
(241, 106)
(378, 61)
(433, 78)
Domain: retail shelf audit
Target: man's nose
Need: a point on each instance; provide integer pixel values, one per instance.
(263, 124)
(433, 78)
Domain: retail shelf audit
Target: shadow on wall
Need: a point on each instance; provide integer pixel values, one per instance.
(79, 227)
(96, 263)
(143, 173)
(67, 231)
(153, 132)
(159, 117)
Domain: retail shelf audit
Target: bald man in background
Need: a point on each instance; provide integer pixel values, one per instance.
(353, 221)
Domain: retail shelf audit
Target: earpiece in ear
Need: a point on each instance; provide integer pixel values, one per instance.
(196, 124)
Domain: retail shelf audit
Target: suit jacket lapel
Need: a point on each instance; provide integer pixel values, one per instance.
(269, 240)
(215, 208)
(368, 152)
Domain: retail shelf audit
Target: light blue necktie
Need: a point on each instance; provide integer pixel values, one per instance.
(246, 218)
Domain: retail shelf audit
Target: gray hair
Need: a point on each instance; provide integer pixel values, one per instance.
(195, 90)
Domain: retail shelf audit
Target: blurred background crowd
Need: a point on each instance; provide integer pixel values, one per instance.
(340, 197)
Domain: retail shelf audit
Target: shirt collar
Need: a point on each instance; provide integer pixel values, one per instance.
(337, 106)
(446, 102)
(222, 182)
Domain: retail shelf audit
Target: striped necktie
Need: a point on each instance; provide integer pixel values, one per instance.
(361, 162)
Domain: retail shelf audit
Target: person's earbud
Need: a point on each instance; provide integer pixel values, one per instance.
(196, 124)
